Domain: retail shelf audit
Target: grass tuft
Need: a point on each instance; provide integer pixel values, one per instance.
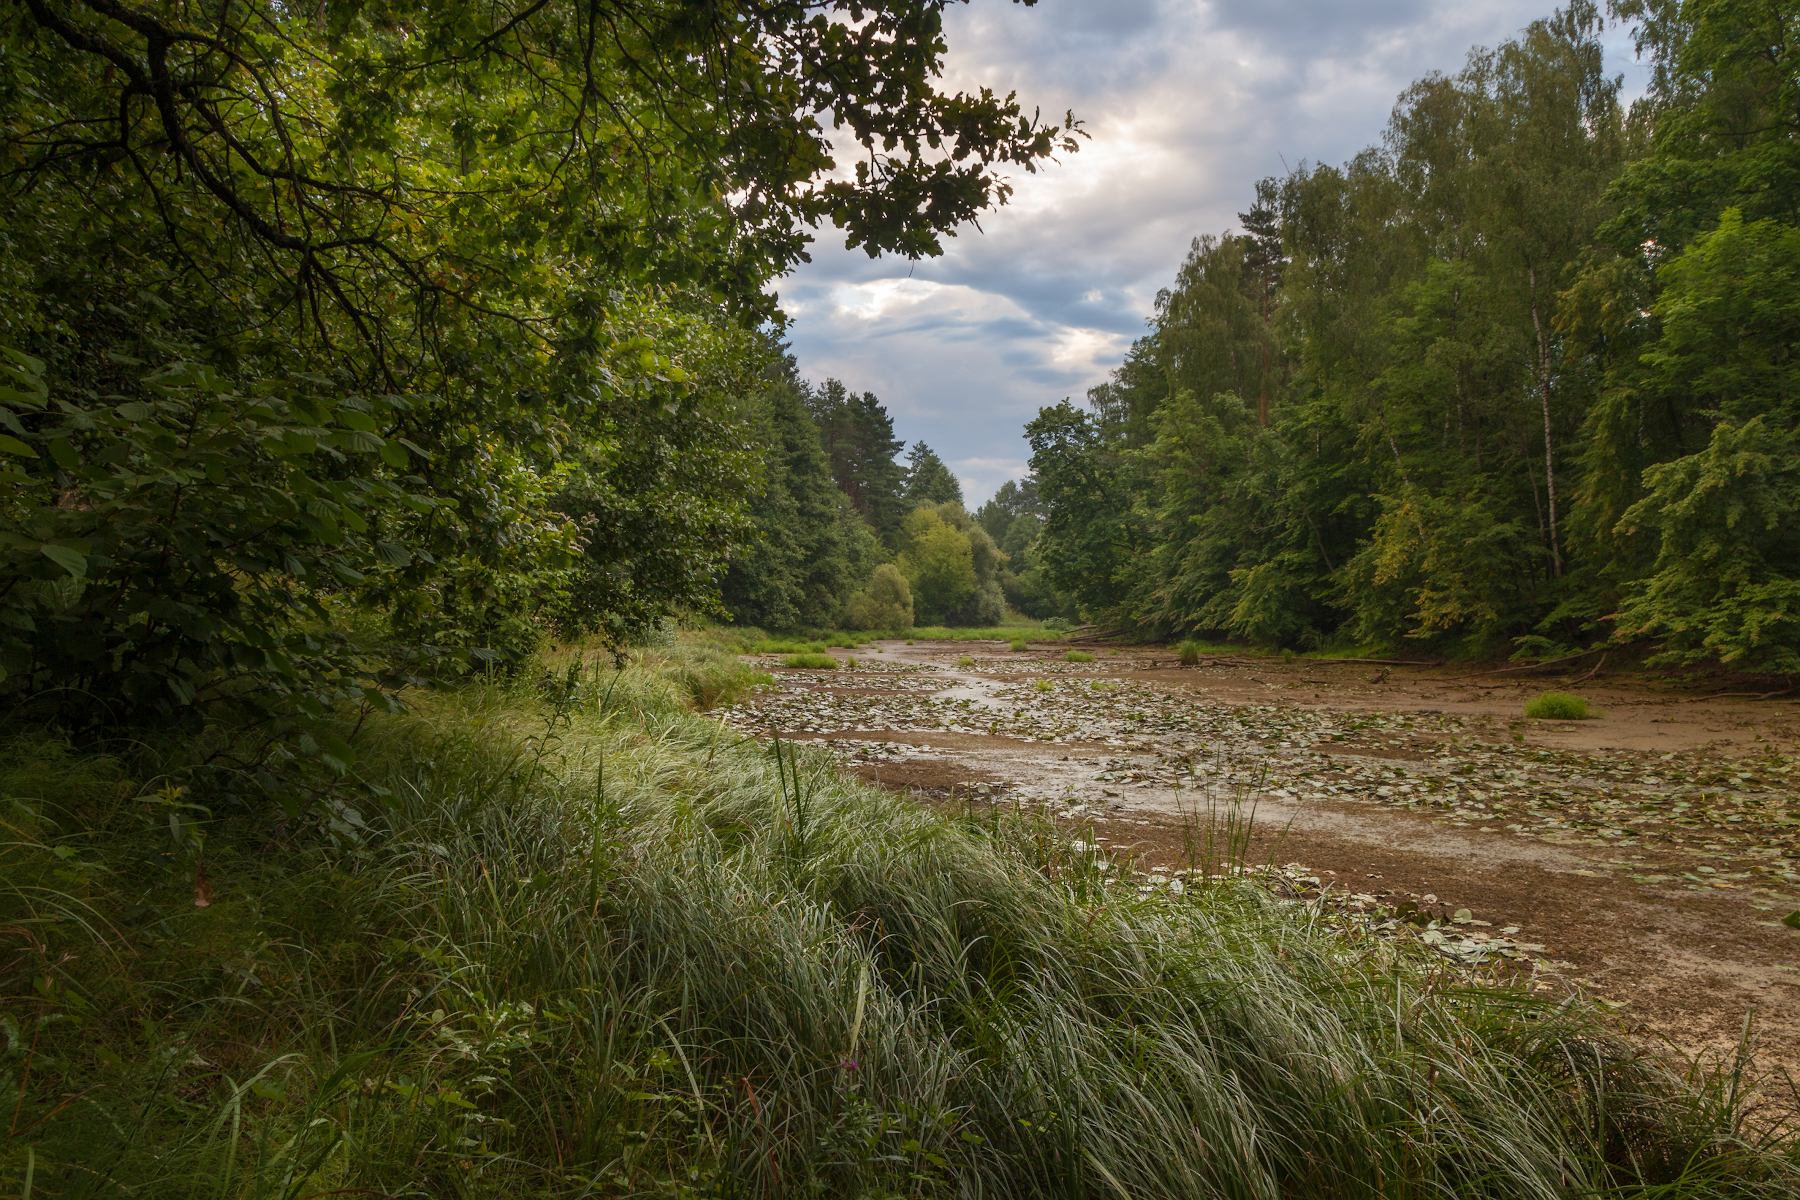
(1078, 656)
(1559, 706)
(815, 662)
(1189, 653)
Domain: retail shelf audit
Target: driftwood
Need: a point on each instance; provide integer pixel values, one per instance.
(1551, 662)
(1751, 695)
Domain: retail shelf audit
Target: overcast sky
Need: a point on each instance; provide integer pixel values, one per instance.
(1188, 104)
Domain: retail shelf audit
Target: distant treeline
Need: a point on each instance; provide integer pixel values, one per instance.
(846, 533)
(1521, 376)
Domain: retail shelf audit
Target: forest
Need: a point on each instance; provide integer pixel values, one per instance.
(1518, 379)
(413, 523)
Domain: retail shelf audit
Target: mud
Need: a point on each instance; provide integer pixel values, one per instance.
(1650, 853)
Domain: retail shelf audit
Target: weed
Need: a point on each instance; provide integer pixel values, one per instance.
(1189, 653)
(1018, 644)
(965, 661)
(1078, 656)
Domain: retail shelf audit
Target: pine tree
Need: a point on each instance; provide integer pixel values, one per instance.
(928, 480)
(858, 437)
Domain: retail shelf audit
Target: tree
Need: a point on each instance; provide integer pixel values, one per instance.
(467, 284)
(886, 603)
(1011, 500)
(811, 548)
(859, 439)
(928, 480)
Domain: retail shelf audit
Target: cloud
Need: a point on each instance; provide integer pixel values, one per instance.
(1188, 104)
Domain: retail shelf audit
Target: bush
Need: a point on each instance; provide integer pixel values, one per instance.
(965, 661)
(1559, 706)
(1189, 652)
(1078, 656)
(1019, 644)
(886, 603)
(812, 662)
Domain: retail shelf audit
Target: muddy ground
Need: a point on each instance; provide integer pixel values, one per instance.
(1645, 857)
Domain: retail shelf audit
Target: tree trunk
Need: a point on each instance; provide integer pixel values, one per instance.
(1543, 374)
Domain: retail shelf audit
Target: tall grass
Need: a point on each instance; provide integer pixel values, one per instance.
(597, 946)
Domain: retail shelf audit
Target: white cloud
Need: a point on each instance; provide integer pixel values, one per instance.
(1188, 104)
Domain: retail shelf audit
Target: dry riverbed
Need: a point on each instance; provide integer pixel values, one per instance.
(1646, 857)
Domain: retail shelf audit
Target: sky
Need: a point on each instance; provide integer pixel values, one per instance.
(1188, 103)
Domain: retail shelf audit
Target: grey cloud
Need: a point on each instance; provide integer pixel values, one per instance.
(1188, 103)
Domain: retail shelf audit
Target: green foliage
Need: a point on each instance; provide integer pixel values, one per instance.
(1014, 518)
(928, 480)
(1518, 375)
(886, 603)
(164, 554)
(369, 344)
(1078, 656)
(952, 566)
(1189, 653)
(811, 547)
(858, 436)
(1558, 706)
(812, 662)
(1019, 644)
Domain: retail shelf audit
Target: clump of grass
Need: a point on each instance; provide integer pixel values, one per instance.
(1019, 644)
(965, 661)
(812, 662)
(1559, 706)
(1189, 653)
(1078, 656)
(1042, 685)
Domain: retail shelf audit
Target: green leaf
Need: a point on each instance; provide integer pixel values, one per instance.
(12, 445)
(74, 563)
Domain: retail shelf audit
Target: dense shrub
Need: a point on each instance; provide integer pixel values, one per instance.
(886, 603)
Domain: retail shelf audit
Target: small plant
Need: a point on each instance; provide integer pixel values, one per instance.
(1018, 644)
(812, 662)
(1558, 706)
(850, 664)
(965, 661)
(1042, 685)
(1189, 653)
(1078, 656)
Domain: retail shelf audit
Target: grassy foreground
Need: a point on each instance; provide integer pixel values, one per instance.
(596, 945)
